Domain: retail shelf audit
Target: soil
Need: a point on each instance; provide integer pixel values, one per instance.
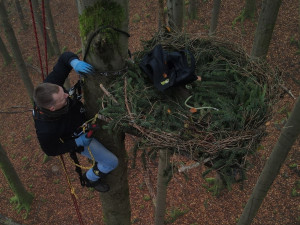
(188, 200)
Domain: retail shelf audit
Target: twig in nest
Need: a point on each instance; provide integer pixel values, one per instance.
(108, 94)
(126, 101)
(140, 129)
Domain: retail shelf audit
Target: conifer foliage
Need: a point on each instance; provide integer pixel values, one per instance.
(219, 121)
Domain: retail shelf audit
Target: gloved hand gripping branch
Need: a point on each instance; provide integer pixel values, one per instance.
(81, 67)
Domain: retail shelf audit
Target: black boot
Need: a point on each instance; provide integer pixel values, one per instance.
(98, 185)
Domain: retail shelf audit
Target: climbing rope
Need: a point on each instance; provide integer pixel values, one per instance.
(37, 39)
(72, 189)
(45, 34)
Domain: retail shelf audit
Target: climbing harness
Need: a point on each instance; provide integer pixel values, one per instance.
(89, 128)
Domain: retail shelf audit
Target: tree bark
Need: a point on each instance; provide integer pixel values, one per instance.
(4, 52)
(214, 17)
(162, 185)
(108, 55)
(10, 36)
(22, 197)
(264, 30)
(38, 19)
(52, 28)
(175, 14)
(288, 135)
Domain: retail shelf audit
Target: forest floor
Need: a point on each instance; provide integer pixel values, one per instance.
(188, 202)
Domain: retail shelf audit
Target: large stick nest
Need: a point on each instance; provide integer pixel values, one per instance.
(219, 119)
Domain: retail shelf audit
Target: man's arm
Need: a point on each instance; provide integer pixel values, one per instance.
(61, 69)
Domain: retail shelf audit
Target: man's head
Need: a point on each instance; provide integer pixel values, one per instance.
(50, 96)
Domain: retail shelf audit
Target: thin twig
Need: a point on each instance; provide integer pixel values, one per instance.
(108, 94)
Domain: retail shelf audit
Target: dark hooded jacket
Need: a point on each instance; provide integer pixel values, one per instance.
(55, 132)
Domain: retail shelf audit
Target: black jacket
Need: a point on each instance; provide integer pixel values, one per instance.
(54, 134)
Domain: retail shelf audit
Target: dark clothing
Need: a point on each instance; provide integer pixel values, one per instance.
(54, 134)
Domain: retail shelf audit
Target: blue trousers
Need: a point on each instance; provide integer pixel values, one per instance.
(106, 160)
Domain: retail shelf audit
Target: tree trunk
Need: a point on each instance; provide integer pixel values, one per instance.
(22, 197)
(192, 9)
(288, 135)
(161, 14)
(108, 51)
(175, 14)
(264, 30)
(214, 17)
(162, 185)
(21, 15)
(38, 20)
(250, 9)
(10, 36)
(4, 52)
(299, 18)
(52, 28)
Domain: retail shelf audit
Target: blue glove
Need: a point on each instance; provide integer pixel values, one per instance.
(82, 68)
(82, 140)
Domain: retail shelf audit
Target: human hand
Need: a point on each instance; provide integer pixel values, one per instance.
(82, 140)
(81, 67)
